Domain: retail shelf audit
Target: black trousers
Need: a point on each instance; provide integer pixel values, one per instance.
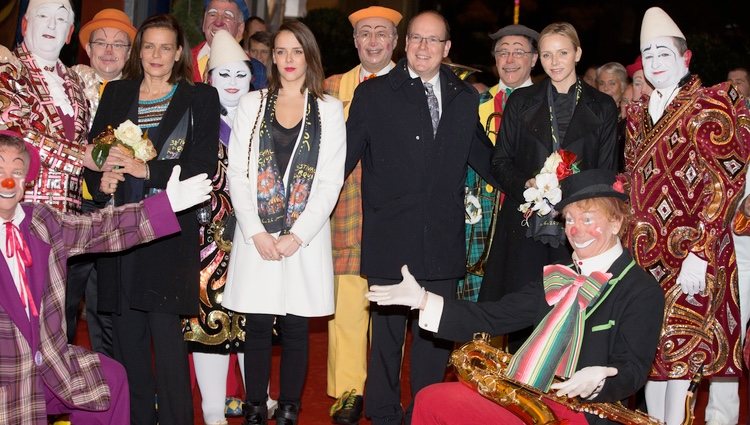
(294, 349)
(429, 355)
(82, 280)
(166, 379)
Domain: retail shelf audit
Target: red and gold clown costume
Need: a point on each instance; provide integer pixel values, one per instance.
(687, 173)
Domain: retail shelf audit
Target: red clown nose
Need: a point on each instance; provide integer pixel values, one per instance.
(8, 183)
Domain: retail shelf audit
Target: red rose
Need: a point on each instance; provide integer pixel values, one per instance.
(568, 157)
(563, 170)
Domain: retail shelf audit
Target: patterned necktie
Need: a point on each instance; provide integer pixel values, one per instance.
(432, 103)
(369, 76)
(15, 245)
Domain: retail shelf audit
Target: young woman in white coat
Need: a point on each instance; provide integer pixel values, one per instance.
(286, 167)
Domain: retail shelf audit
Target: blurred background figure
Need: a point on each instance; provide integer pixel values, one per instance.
(612, 79)
(589, 76)
(641, 86)
(149, 288)
(739, 79)
(253, 24)
(259, 48)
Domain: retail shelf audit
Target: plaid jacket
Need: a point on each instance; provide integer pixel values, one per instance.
(346, 220)
(33, 351)
(28, 107)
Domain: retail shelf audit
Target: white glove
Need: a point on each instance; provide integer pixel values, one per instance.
(692, 277)
(585, 383)
(186, 193)
(407, 292)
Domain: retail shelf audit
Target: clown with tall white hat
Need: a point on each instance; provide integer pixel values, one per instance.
(228, 70)
(52, 112)
(685, 152)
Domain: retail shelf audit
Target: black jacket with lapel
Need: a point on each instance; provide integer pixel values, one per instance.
(524, 143)
(162, 275)
(412, 181)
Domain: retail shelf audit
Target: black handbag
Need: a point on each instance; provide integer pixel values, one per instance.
(546, 229)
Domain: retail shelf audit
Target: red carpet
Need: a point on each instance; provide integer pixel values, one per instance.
(315, 402)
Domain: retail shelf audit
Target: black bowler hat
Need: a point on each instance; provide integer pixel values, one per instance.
(515, 30)
(591, 184)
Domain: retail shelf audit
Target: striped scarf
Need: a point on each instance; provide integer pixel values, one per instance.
(554, 346)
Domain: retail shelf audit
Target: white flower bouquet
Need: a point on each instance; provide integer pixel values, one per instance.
(127, 136)
(539, 209)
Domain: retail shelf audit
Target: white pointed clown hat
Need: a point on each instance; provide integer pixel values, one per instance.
(33, 4)
(656, 23)
(225, 49)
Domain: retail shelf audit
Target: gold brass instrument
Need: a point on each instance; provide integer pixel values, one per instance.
(482, 367)
(462, 71)
(690, 399)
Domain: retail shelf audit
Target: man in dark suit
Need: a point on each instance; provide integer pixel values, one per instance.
(415, 130)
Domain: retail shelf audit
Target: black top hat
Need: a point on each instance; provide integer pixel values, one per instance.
(590, 184)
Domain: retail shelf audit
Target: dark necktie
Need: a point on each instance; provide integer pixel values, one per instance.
(432, 103)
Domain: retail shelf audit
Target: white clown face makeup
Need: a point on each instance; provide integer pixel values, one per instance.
(231, 80)
(663, 65)
(47, 29)
(589, 230)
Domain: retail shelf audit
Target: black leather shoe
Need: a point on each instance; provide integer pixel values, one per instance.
(350, 411)
(287, 414)
(256, 413)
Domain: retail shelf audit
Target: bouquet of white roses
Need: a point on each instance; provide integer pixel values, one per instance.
(128, 136)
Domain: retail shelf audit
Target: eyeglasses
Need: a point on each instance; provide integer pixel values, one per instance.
(417, 39)
(518, 54)
(116, 46)
(380, 35)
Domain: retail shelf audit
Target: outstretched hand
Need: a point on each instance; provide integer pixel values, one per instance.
(183, 194)
(407, 292)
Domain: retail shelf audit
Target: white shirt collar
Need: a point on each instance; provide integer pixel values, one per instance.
(659, 100)
(601, 262)
(526, 83)
(363, 73)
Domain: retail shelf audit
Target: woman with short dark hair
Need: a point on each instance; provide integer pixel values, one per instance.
(286, 167)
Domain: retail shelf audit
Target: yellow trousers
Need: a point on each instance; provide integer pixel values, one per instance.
(347, 336)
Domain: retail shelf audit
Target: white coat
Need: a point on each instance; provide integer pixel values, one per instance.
(303, 283)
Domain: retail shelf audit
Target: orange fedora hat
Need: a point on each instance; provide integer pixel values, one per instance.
(107, 18)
